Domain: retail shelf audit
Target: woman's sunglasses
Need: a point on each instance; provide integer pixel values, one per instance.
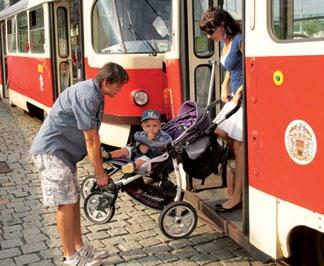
(210, 31)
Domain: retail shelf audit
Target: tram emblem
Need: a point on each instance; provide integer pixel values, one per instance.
(300, 142)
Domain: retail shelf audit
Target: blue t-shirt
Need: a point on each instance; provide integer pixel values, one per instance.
(233, 63)
(78, 108)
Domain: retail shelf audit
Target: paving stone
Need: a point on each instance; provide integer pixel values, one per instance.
(9, 253)
(26, 259)
(33, 248)
(149, 261)
(11, 243)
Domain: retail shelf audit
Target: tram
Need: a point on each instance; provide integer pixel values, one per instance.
(47, 45)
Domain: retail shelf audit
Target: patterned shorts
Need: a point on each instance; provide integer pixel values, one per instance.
(60, 184)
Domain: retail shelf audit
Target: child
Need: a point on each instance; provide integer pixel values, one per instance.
(150, 143)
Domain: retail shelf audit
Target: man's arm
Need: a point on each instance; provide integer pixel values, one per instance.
(93, 144)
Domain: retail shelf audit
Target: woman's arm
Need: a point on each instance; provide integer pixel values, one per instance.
(238, 94)
(225, 87)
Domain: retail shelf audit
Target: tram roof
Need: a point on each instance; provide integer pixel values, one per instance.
(21, 6)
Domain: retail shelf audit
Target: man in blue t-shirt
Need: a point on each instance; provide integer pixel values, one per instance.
(68, 134)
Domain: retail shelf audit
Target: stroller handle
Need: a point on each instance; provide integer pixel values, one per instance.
(213, 125)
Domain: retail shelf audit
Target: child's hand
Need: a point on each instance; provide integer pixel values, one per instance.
(150, 136)
(144, 148)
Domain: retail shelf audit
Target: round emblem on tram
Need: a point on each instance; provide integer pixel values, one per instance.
(300, 142)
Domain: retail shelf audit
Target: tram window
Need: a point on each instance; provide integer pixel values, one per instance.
(297, 19)
(11, 32)
(127, 26)
(203, 47)
(64, 75)
(22, 33)
(202, 79)
(62, 32)
(36, 27)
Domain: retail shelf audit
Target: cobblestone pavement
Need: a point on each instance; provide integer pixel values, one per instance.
(28, 233)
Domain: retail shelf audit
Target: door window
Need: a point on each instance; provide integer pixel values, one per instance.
(11, 32)
(62, 32)
(202, 80)
(203, 47)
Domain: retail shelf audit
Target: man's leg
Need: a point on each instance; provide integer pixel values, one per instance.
(67, 226)
(78, 243)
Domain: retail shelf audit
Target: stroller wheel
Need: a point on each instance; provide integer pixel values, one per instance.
(96, 214)
(87, 185)
(178, 220)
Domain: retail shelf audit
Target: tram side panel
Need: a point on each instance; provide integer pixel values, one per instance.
(285, 136)
(30, 80)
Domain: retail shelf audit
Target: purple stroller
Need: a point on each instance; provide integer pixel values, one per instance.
(192, 140)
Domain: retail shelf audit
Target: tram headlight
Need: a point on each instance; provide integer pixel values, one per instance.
(140, 97)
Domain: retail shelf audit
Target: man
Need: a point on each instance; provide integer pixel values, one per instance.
(69, 132)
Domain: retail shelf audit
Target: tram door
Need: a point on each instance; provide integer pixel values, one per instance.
(201, 55)
(68, 52)
(3, 58)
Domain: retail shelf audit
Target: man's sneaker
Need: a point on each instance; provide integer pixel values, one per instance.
(128, 168)
(93, 253)
(81, 261)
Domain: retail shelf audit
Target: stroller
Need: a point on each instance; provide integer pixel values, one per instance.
(194, 145)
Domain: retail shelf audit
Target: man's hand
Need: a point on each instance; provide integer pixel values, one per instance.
(102, 180)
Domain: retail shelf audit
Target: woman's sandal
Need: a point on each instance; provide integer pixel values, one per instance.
(220, 208)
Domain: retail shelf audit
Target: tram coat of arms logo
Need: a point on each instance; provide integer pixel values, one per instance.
(300, 142)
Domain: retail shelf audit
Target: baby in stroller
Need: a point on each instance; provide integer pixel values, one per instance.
(149, 143)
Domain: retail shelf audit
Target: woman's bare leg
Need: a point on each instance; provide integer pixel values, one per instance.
(236, 198)
(230, 175)
(237, 147)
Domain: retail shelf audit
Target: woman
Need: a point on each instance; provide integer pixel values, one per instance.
(220, 26)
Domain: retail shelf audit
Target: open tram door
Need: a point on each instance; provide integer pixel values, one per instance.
(205, 77)
(3, 59)
(68, 52)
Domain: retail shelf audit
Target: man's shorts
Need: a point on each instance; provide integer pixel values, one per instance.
(59, 182)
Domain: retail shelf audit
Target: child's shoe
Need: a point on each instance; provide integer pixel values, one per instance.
(128, 168)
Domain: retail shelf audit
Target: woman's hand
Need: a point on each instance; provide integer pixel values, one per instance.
(238, 95)
(225, 94)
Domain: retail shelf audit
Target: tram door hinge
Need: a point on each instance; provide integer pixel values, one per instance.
(252, 84)
(255, 141)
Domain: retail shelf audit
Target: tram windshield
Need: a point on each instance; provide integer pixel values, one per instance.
(127, 26)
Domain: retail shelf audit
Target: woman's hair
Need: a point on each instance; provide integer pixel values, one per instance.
(113, 73)
(216, 17)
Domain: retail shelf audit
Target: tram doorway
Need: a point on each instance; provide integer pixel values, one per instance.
(69, 64)
(3, 58)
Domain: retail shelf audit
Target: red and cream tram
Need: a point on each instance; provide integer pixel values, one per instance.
(46, 45)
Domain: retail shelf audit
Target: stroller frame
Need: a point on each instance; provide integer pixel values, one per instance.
(177, 219)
